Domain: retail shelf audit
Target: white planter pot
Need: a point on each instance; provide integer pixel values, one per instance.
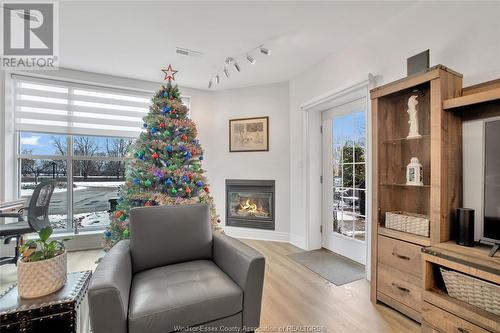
(40, 278)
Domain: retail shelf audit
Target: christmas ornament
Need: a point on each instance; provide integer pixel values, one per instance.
(174, 191)
(188, 154)
(154, 155)
(145, 125)
(162, 125)
(206, 189)
(165, 94)
(188, 190)
(147, 183)
(118, 213)
(166, 109)
(168, 182)
(153, 130)
(169, 149)
(184, 137)
(107, 234)
(148, 204)
(199, 183)
(166, 134)
(126, 233)
(136, 181)
(123, 217)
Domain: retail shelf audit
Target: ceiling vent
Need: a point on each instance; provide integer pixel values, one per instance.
(188, 52)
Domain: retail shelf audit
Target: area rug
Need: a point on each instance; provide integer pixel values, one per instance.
(336, 269)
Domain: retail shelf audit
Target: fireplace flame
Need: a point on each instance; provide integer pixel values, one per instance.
(248, 207)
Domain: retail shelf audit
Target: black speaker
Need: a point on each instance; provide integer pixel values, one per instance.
(464, 226)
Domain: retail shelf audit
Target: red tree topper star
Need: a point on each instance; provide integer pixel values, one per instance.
(169, 73)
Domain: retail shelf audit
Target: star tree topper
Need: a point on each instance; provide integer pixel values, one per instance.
(169, 73)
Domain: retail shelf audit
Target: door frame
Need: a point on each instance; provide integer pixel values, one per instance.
(311, 156)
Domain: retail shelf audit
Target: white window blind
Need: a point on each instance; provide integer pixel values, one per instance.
(70, 108)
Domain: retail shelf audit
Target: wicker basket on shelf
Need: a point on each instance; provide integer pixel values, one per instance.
(417, 224)
(483, 294)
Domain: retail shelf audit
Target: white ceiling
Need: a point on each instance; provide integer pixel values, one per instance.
(136, 39)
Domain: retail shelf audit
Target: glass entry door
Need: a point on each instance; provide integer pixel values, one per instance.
(344, 180)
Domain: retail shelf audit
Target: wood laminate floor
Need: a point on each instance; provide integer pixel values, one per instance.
(295, 299)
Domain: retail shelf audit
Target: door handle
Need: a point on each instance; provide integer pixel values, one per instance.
(462, 330)
(406, 290)
(400, 256)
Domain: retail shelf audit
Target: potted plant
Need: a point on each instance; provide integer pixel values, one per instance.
(41, 270)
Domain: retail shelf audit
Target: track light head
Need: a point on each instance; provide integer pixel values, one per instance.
(265, 51)
(237, 67)
(226, 72)
(250, 59)
(217, 79)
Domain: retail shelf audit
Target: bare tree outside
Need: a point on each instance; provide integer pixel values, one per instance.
(85, 146)
(116, 147)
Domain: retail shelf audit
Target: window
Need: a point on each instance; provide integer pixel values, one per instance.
(97, 170)
(349, 175)
(78, 134)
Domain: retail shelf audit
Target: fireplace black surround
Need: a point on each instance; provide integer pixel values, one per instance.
(250, 203)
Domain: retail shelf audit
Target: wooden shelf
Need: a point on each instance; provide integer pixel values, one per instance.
(406, 140)
(404, 185)
(473, 314)
(480, 97)
(473, 261)
(415, 239)
(466, 259)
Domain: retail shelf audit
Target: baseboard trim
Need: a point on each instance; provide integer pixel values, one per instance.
(257, 234)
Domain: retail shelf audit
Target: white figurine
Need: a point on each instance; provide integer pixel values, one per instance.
(413, 121)
(414, 173)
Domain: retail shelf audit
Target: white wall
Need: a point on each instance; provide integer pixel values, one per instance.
(266, 100)
(462, 36)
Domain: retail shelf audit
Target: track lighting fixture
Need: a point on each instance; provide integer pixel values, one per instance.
(250, 59)
(235, 61)
(265, 51)
(237, 67)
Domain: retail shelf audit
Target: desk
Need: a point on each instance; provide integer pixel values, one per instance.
(11, 205)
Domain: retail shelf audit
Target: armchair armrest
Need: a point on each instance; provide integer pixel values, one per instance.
(246, 267)
(109, 291)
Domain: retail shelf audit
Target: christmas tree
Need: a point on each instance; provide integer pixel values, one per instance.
(165, 165)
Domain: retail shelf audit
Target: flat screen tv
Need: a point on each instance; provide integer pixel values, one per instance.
(491, 221)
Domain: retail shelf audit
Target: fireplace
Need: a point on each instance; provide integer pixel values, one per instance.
(250, 203)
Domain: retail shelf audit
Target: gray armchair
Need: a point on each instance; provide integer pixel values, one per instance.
(173, 274)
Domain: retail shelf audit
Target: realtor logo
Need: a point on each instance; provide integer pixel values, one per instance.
(29, 38)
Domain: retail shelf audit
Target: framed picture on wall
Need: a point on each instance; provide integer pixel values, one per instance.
(249, 134)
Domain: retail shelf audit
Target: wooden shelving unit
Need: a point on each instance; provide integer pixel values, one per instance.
(442, 313)
(395, 253)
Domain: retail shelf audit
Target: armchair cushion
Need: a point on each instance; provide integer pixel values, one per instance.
(167, 235)
(183, 295)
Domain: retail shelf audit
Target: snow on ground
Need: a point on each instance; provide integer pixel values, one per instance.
(94, 219)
